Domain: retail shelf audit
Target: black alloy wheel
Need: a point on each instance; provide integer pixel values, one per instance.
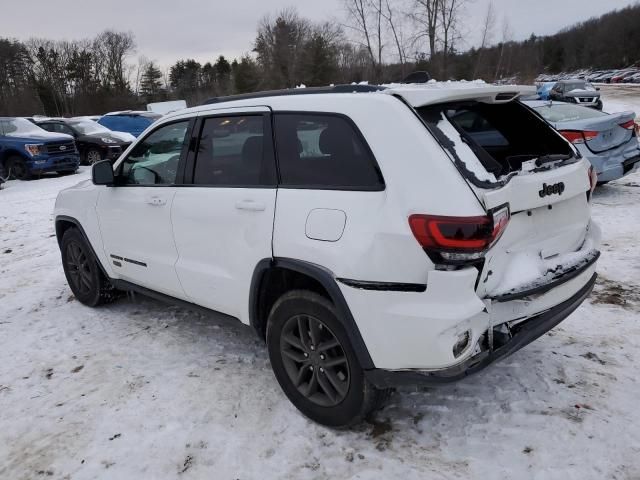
(79, 268)
(315, 363)
(314, 360)
(87, 281)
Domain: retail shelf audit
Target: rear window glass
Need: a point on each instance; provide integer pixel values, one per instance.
(567, 113)
(491, 141)
(324, 151)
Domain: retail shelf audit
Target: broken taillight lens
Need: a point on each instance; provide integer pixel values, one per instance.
(458, 239)
(630, 125)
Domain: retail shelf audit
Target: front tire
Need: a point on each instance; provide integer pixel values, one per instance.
(92, 156)
(314, 362)
(17, 168)
(86, 280)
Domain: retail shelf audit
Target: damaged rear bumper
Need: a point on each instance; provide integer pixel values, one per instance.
(522, 334)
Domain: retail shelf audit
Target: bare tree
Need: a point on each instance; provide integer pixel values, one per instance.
(450, 12)
(391, 14)
(113, 48)
(365, 17)
(140, 68)
(427, 18)
(486, 37)
(507, 36)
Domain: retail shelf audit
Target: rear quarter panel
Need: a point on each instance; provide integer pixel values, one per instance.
(377, 243)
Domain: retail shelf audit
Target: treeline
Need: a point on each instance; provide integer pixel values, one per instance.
(56, 78)
(380, 41)
(610, 41)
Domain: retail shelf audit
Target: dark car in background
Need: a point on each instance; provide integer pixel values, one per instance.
(27, 150)
(130, 121)
(94, 141)
(576, 91)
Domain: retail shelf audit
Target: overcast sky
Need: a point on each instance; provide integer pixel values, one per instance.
(167, 30)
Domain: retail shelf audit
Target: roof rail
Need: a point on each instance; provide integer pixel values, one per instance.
(346, 88)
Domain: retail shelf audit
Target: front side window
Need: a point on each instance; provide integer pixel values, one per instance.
(234, 151)
(154, 160)
(62, 128)
(325, 152)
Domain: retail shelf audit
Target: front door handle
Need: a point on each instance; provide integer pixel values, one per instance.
(156, 201)
(251, 205)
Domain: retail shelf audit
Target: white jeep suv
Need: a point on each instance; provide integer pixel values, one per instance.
(373, 236)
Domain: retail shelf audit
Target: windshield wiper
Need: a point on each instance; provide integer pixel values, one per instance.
(551, 158)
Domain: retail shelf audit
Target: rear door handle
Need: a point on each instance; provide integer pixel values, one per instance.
(156, 201)
(251, 205)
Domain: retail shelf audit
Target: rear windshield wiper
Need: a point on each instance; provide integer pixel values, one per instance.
(551, 158)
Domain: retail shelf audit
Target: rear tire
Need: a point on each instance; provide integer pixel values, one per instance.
(86, 280)
(315, 364)
(17, 168)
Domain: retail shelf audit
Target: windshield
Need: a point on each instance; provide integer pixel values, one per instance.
(88, 127)
(567, 113)
(16, 127)
(569, 87)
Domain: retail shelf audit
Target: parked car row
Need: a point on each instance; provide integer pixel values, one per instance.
(28, 149)
(33, 146)
(624, 75)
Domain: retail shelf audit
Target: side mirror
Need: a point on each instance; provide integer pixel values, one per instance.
(597, 89)
(102, 173)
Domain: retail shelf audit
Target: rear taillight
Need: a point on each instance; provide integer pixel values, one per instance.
(577, 136)
(458, 239)
(630, 125)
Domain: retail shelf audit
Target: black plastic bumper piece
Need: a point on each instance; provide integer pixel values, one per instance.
(629, 163)
(528, 331)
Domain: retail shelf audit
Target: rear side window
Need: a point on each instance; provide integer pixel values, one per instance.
(234, 151)
(325, 152)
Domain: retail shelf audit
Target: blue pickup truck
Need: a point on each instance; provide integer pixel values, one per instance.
(27, 150)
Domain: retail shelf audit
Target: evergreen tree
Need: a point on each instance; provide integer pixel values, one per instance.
(246, 77)
(151, 82)
(222, 70)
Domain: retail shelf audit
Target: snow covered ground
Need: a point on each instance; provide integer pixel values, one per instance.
(139, 390)
(621, 98)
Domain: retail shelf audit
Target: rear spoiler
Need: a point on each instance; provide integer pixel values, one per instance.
(430, 94)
